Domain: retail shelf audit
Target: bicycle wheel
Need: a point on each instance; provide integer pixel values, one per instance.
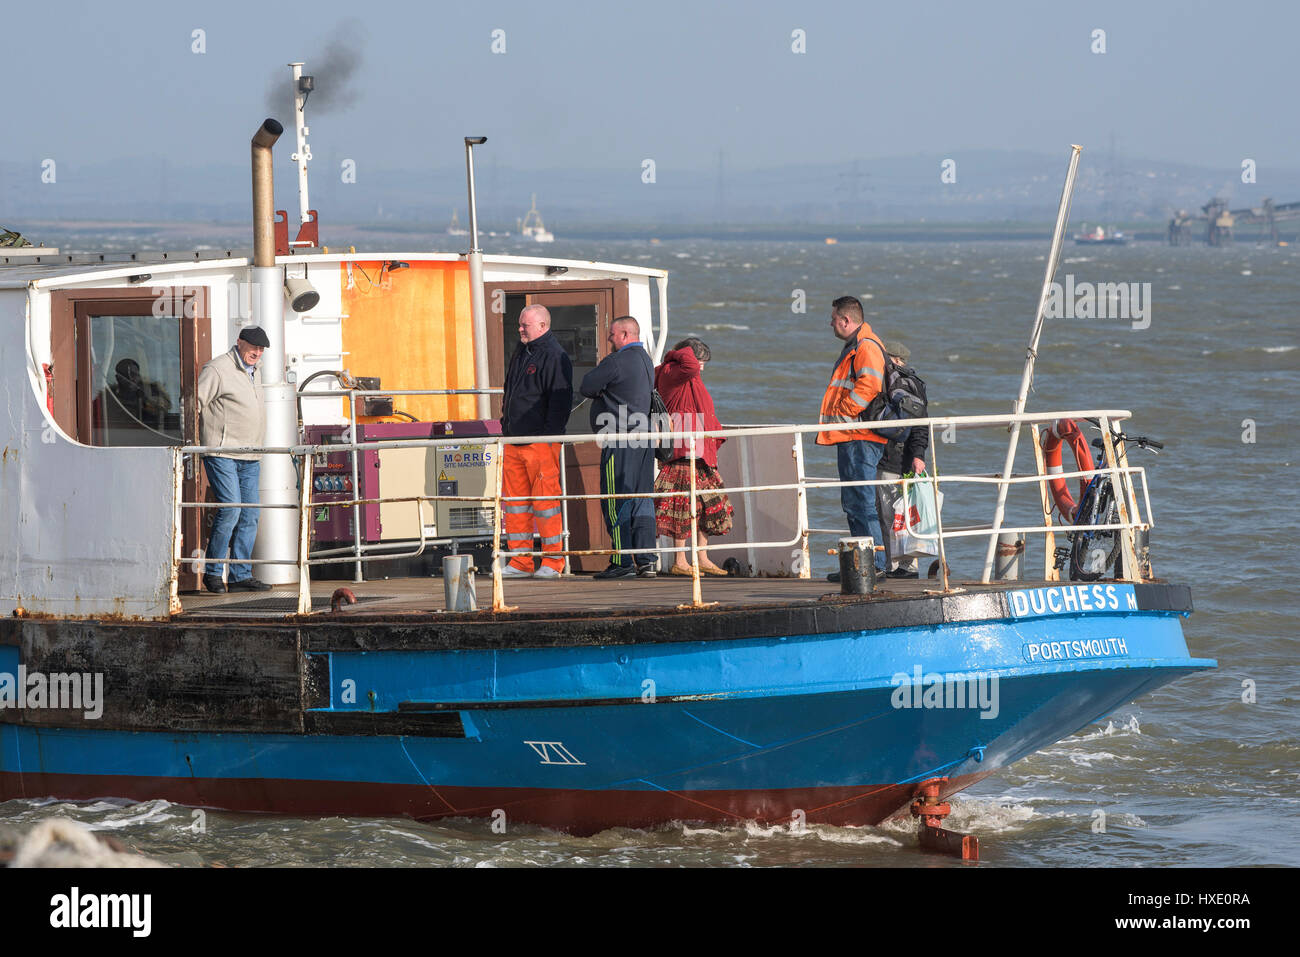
(1093, 554)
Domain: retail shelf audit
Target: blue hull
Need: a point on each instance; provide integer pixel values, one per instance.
(839, 726)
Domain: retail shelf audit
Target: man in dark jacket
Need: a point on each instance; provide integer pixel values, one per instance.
(619, 389)
(537, 400)
(903, 454)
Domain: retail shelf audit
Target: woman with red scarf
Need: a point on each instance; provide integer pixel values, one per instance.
(691, 407)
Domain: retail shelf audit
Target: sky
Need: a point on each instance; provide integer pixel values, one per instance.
(602, 85)
(160, 88)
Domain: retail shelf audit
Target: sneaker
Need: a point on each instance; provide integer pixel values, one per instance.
(903, 573)
(546, 571)
(647, 571)
(214, 584)
(616, 571)
(510, 571)
(249, 584)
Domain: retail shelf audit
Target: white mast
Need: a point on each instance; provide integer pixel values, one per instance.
(1053, 258)
(301, 157)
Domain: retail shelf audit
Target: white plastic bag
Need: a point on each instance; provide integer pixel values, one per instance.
(915, 515)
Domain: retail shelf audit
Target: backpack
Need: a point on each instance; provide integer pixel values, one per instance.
(902, 397)
(659, 413)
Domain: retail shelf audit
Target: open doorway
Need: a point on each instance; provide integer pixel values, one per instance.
(580, 315)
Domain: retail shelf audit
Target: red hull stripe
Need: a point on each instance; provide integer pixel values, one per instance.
(578, 811)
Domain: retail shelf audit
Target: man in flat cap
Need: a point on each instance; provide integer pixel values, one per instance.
(232, 414)
(903, 455)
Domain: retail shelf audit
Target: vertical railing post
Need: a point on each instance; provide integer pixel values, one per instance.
(564, 507)
(801, 507)
(938, 513)
(498, 597)
(356, 484)
(174, 606)
(1050, 573)
(1128, 554)
(1143, 565)
(697, 597)
(304, 534)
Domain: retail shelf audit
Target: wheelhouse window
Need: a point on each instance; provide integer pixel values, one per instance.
(135, 380)
(126, 362)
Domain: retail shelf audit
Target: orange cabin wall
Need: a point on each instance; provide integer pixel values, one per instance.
(416, 334)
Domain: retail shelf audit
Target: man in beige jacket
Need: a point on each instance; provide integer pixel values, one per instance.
(232, 414)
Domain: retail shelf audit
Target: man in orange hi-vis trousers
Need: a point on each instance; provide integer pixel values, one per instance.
(538, 396)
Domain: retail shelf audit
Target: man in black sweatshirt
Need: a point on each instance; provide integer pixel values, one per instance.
(537, 401)
(902, 455)
(619, 389)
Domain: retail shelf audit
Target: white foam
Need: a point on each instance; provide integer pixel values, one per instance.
(1131, 725)
(822, 832)
(714, 326)
(1085, 759)
(151, 812)
(1279, 348)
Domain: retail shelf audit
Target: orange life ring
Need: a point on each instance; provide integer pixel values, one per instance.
(1054, 437)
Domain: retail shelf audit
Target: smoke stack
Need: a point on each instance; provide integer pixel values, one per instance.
(277, 533)
(264, 193)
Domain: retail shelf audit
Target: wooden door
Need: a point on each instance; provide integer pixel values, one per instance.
(126, 365)
(580, 315)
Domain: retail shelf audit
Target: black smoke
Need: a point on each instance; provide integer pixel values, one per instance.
(333, 70)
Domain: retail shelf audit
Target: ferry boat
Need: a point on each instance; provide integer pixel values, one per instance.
(577, 705)
(532, 227)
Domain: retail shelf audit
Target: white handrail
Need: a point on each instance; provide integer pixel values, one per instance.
(1122, 477)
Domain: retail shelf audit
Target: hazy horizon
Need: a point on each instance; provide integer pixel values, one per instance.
(690, 112)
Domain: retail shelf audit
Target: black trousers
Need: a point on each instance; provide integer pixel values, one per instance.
(630, 521)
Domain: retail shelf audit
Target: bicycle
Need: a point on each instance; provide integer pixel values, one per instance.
(1092, 553)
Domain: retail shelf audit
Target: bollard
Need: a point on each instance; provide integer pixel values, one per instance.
(458, 583)
(857, 566)
(1011, 547)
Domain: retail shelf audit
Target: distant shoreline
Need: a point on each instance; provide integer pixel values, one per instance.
(53, 233)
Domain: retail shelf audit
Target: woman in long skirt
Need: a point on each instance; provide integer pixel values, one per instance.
(691, 407)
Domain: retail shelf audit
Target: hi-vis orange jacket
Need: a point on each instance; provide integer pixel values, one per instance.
(858, 377)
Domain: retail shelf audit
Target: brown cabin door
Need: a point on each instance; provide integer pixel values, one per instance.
(126, 363)
(580, 315)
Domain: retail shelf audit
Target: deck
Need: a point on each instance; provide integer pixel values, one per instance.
(566, 596)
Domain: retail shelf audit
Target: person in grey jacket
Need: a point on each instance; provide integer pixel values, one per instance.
(232, 414)
(619, 389)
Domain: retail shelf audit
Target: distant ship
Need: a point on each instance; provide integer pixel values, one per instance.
(1100, 237)
(532, 227)
(454, 229)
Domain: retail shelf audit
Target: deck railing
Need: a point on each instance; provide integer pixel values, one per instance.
(1125, 479)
